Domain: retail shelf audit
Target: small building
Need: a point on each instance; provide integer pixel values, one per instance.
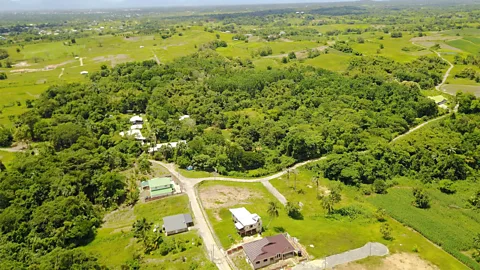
(84, 72)
(136, 127)
(169, 144)
(268, 251)
(137, 134)
(245, 222)
(177, 224)
(135, 120)
(183, 117)
(439, 100)
(159, 187)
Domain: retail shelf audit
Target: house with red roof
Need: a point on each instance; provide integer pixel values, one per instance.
(268, 250)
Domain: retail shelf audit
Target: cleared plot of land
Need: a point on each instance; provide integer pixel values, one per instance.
(447, 223)
(114, 244)
(452, 89)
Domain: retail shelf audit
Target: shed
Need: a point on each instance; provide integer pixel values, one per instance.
(84, 72)
(177, 224)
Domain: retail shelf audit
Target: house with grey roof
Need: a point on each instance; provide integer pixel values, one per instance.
(177, 224)
(268, 250)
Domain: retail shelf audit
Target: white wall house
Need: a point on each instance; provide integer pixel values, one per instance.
(245, 222)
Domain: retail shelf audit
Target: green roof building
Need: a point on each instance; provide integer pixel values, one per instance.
(159, 187)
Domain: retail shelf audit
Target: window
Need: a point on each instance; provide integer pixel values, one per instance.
(265, 260)
(257, 262)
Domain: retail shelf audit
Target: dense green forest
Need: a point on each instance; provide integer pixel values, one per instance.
(241, 118)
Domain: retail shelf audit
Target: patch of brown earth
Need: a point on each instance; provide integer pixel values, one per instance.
(433, 38)
(398, 261)
(218, 197)
(113, 59)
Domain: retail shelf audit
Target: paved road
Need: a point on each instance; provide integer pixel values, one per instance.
(188, 184)
(370, 249)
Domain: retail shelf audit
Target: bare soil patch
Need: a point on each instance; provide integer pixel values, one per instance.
(22, 64)
(452, 89)
(444, 46)
(113, 59)
(218, 197)
(434, 37)
(398, 261)
(119, 219)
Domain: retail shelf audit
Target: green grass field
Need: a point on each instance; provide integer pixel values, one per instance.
(114, 244)
(465, 45)
(6, 157)
(327, 234)
(447, 223)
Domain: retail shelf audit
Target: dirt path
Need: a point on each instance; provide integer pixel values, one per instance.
(61, 73)
(81, 62)
(445, 77)
(370, 249)
(156, 58)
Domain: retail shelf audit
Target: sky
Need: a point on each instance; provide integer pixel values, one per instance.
(6, 5)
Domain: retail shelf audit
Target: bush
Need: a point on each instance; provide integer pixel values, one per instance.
(396, 35)
(380, 186)
(6, 137)
(446, 186)
(386, 231)
(3, 54)
(3, 76)
(422, 200)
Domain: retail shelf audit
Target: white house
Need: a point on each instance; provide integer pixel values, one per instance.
(84, 72)
(137, 126)
(183, 117)
(136, 120)
(137, 134)
(169, 144)
(245, 222)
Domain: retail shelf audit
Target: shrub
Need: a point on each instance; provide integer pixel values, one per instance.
(386, 231)
(3, 76)
(422, 200)
(446, 186)
(3, 54)
(380, 186)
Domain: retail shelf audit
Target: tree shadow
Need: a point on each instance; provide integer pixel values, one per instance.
(296, 215)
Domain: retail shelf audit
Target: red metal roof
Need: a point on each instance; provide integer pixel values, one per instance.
(267, 247)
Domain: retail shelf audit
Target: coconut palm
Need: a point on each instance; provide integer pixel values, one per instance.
(272, 211)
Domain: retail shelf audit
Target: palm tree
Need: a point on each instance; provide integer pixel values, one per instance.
(295, 172)
(315, 180)
(327, 204)
(272, 211)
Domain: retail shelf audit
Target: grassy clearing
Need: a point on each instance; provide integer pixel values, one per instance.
(447, 223)
(465, 45)
(334, 60)
(333, 232)
(6, 157)
(322, 235)
(114, 244)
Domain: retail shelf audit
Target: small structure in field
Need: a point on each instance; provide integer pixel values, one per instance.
(268, 251)
(84, 72)
(177, 224)
(245, 222)
(159, 187)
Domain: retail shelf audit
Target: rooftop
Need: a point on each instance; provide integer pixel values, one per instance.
(160, 192)
(437, 99)
(177, 222)
(244, 217)
(136, 118)
(267, 247)
(160, 181)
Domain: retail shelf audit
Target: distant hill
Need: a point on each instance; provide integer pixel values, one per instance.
(10, 5)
